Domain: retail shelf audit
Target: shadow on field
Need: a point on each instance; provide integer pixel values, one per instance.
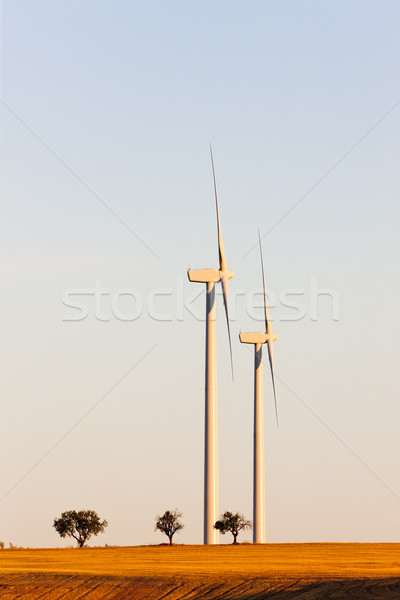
(389, 589)
(33, 586)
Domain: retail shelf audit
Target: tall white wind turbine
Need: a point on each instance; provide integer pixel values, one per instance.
(210, 277)
(258, 339)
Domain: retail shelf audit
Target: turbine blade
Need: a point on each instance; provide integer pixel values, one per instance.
(224, 283)
(270, 356)
(222, 259)
(267, 323)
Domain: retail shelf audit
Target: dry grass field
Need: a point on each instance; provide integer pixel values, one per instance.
(243, 572)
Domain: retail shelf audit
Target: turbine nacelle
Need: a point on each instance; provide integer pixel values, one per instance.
(208, 275)
(257, 338)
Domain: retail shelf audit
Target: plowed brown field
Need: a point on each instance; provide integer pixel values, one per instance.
(244, 572)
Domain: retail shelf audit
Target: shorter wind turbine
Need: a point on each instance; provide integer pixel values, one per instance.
(258, 339)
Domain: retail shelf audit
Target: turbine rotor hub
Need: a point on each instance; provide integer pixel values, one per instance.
(226, 273)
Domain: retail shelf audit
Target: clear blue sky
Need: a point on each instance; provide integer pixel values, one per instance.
(106, 116)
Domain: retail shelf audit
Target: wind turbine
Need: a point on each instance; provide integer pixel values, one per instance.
(210, 277)
(258, 339)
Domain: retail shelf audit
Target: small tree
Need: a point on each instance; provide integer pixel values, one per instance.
(233, 523)
(80, 525)
(169, 523)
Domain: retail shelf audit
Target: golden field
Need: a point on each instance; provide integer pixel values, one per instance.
(240, 572)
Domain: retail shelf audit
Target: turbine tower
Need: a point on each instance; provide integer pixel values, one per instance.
(258, 339)
(210, 277)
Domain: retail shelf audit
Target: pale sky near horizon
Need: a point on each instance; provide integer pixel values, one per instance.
(107, 110)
